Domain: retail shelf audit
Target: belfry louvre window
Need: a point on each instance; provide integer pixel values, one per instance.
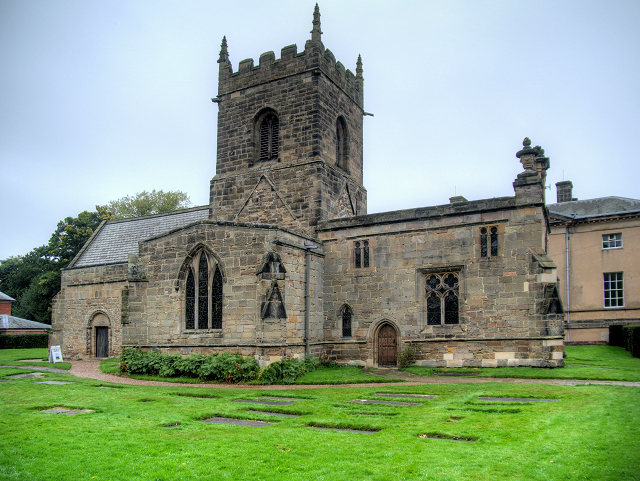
(611, 241)
(203, 295)
(442, 292)
(613, 289)
(489, 242)
(269, 133)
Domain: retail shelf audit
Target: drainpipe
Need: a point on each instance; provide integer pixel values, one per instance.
(307, 298)
(568, 277)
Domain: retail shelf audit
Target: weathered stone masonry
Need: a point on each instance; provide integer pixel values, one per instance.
(470, 282)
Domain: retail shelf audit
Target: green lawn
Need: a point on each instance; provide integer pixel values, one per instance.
(604, 363)
(590, 432)
(12, 357)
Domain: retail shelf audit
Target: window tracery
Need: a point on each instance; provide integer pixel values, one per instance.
(489, 242)
(442, 291)
(269, 131)
(347, 315)
(203, 294)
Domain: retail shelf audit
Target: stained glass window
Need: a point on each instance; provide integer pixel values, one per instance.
(216, 300)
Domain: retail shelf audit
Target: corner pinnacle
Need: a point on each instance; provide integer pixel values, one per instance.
(224, 54)
(316, 32)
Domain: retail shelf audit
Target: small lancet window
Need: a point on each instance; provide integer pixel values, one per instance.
(365, 254)
(269, 133)
(346, 321)
(216, 300)
(358, 256)
(362, 254)
(190, 301)
(489, 242)
(494, 241)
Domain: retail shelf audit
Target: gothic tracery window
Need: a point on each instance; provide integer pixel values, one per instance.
(442, 293)
(269, 131)
(203, 294)
(362, 254)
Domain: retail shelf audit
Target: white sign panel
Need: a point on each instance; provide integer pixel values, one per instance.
(55, 355)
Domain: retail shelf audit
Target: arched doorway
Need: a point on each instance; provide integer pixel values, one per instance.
(387, 346)
(100, 335)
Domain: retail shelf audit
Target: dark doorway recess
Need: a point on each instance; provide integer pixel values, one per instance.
(102, 342)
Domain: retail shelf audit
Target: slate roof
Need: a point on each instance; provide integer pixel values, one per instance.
(11, 322)
(593, 207)
(116, 239)
(4, 297)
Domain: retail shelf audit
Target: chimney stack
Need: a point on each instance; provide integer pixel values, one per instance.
(565, 191)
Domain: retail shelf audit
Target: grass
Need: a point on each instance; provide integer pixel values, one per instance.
(604, 363)
(340, 375)
(12, 357)
(591, 432)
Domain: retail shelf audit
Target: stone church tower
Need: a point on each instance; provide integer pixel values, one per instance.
(289, 138)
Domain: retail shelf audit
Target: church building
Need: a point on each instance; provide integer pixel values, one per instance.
(286, 262)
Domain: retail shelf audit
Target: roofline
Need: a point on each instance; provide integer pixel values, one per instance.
(574, 218)
(86, 244)
(163, 214)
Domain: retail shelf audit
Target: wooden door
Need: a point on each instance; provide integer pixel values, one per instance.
(387, 347)
(102, 342)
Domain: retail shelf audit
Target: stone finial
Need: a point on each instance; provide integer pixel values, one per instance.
(359, 67)
(224, 54)
(527, 155)
(316, 32)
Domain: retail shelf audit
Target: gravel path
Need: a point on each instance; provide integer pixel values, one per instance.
(90, 369)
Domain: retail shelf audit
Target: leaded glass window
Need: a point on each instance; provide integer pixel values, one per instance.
(203, 292)
(346, 321)
(494, 241)
(442, 291)
(483, 242)
(216, 300)
(365, 254)
(190, 301)
(358, 256)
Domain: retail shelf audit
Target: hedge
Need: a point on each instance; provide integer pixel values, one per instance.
(23, 341)
(627, 337)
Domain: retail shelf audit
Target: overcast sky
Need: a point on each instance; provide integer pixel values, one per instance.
(103, 99)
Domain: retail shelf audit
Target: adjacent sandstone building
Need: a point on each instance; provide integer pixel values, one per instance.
(285, 260)
(596, 245)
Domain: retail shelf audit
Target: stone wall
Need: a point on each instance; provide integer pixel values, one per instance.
(238, 249)
(86, 293)
(500, 296)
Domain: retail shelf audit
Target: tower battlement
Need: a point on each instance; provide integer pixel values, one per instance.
(315, 58)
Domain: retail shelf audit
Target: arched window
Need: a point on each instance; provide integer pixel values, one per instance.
(347, 315)
(494, 241)
(442, 291)
(203, 294)
(362, 256)
(358, 256)
(268, 135)
(341, 144)
(483, 242)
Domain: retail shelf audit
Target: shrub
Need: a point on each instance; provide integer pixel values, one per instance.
(408, 356)
(23, 341)
(631, 336)
(616, 337)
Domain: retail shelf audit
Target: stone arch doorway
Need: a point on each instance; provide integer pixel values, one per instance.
(387, 346)
(100, 335)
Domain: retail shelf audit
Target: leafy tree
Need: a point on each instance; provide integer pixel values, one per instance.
(146, 203)
(72, 233)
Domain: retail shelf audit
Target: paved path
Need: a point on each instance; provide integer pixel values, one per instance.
(90, 369)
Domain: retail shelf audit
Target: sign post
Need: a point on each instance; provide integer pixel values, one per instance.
(55, 355)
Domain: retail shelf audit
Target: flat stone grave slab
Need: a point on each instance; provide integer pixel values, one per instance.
(416, 396)
(57, 383)
(67, 412)
(8, 380)
(270, 403)
(457, 374)
(237, 422)
(41, 368)
(517, 399)
(280, 415)
(343, 430)
(31, 360)
(282, 398)
(31, 375)
(395, 403)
